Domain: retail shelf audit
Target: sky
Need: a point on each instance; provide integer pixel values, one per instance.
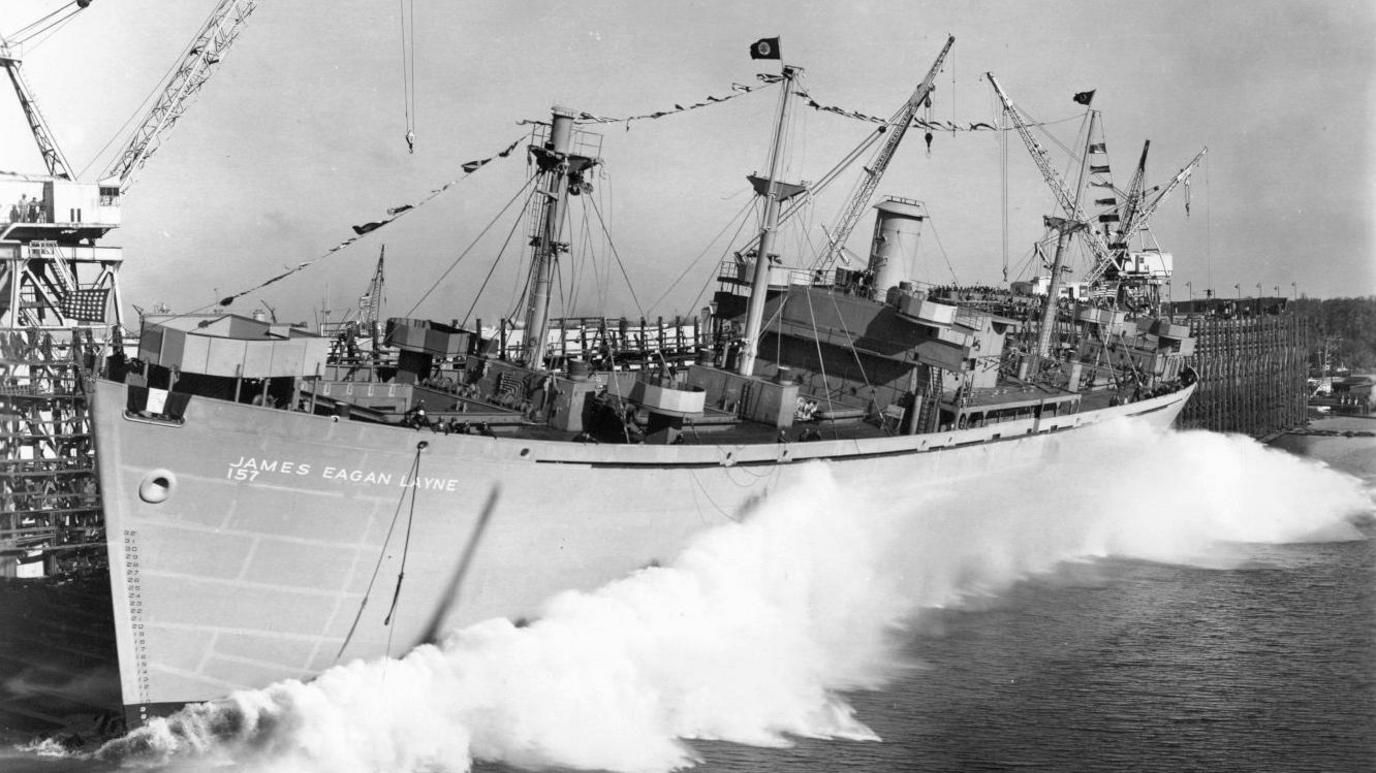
(299, 135)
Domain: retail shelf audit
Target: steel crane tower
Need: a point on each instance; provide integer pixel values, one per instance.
(198, 63)
(61, 311)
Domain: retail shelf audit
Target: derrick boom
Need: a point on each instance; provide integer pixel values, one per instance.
(1145, 211)
(898, 127)
(1103, 257)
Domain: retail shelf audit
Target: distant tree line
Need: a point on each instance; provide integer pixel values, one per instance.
(1345, 329)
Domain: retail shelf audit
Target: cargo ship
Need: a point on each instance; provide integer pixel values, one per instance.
(274, 507)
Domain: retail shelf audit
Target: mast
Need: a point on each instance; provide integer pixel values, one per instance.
(759, 287)
(1064, 228)
(561, 172)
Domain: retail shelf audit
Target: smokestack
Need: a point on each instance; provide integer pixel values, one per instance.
(893, 254)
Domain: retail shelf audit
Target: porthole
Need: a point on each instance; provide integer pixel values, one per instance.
(157, 486)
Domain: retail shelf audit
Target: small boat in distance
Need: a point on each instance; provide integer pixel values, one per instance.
(266, 490)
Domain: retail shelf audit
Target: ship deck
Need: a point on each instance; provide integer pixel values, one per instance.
(718, 428)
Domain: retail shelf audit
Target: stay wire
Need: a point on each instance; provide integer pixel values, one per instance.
(703, 291)
(51, 30)
(942, 247)
(821, 362)
(405, 72)
(598, 211)
(407, 18)
(406, 545)
(18, 36)
(470, 247)
(496, 261)
(739, 214)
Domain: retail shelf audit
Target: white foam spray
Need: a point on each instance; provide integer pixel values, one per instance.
(758, 629)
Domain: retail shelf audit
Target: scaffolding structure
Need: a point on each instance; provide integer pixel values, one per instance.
(1252, 371)
(50, 515)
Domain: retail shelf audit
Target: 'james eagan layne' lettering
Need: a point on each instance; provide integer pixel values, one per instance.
(248, 469)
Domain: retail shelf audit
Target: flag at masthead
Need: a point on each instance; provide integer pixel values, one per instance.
(765, 48)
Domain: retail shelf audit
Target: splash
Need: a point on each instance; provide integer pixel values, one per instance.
(755, 633)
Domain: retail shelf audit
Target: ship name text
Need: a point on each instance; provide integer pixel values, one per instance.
(250, 469)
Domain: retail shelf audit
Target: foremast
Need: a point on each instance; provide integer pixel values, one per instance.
(772, 193)
(561, 173)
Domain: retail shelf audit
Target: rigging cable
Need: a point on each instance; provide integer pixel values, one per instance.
(703, 291)
(407, 14)
(470, 247)
(27, 32)
(142, 109)
(1003, 175)
(738, 216)
(579, 260)
(52, 31)
(1208, 233)
(406, 544)
(381, 556)
(942, 247)
(17, 37)
(822, 364)
(850, 344)
(617, 255)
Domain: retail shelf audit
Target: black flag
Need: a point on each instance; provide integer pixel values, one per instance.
(1085, 97)
(765, 48)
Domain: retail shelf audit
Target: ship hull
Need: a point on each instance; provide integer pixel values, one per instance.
(249, 545)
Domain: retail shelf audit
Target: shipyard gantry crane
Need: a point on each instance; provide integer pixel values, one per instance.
(60, 302)
(198, 63)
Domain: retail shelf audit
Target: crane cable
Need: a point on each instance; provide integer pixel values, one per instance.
(39, 26)
(407, 15)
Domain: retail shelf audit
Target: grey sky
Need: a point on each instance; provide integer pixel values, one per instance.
(299, 135)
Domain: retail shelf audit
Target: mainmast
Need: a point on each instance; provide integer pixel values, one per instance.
(561, 173)
(773, 192)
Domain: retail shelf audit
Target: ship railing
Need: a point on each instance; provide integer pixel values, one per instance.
(741, 270)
